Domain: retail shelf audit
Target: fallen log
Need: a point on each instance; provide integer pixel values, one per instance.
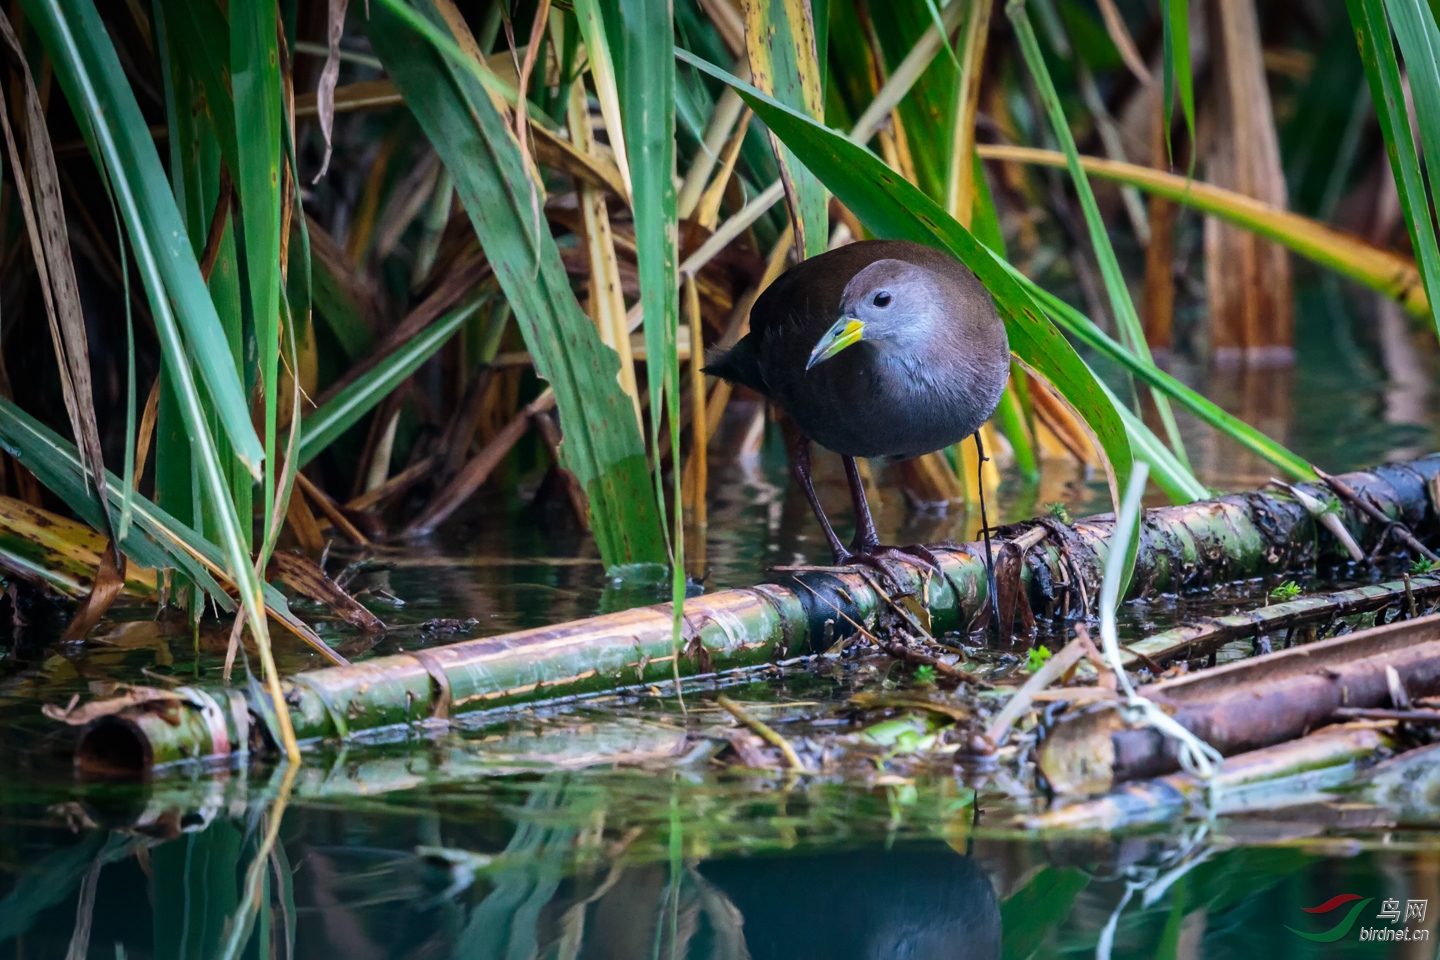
(1246, 705)
(1208, 634)
(1181, 548)
(1408, 786)
(1294, 771)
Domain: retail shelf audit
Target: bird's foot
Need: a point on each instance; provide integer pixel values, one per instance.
(887, 561)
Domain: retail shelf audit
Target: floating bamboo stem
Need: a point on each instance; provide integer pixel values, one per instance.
(1207, 635)
(1248, 704)
(1299, 768)
(804, 612)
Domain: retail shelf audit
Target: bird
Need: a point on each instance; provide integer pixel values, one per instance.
(879, 349)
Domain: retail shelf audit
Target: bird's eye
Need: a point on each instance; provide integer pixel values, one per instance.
(882, 299)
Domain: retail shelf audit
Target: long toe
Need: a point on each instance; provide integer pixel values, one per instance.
(895, 576)
(890, 562)
(920, 552)
(917, 554)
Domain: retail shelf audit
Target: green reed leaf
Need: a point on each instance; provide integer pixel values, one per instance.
(1414, 24)
(342, 411)
(255, 80)
(1175, 22)
(110, 119)
(602, 441)
(1121, 304)
(90, 74)
(780, 47)
(1082, 328)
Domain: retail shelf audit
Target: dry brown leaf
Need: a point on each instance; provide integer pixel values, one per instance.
(749, 749)
(109, 582)
(126, 696)
(304, 575)
(211, 254)
(302, 522)
(329, 76)
(68, 550)
(147, 429)
(44, 215)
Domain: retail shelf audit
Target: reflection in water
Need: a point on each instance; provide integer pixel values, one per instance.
(567, 887)
(918, 904)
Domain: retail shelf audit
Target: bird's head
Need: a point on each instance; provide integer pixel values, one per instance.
(890, 302)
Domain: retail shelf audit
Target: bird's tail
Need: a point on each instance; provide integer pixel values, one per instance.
(739, 364)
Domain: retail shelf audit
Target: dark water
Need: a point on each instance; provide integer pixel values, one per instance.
(580, 833)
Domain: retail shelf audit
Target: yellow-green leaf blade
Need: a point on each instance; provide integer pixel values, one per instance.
(780, 47)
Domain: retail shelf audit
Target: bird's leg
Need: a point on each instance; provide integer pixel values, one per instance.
(800, 466)
(866, 545)
(985, 531)
(866, 539)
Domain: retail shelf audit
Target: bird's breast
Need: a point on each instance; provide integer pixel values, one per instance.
(874, 410)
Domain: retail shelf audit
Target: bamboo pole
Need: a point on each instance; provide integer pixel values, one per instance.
(1203, 637)
(804, 612)
(1322, 760)
(1248, 704)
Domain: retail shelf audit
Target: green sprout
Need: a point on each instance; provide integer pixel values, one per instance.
(1288, 590)
(1423, 565)
(1058, 511)
(925, 675)
(1036, 658)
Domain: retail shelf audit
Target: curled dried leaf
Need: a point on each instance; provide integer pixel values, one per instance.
(304, 576)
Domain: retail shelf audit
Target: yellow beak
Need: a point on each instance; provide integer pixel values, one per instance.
(846, 332)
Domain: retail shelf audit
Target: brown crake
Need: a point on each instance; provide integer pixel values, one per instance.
(880, 348)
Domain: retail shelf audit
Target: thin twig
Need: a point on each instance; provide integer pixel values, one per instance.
(909, 654)
(764, 732)
(1016, 706)
(392, 487)
(331, 510)
(898, 650)
(849, 619)
(1408, 716)
(1345, 491)
(1323, 516)
(904, 614)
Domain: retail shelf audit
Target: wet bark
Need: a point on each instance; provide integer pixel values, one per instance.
(1246, 705)
(1283, 621)
(1327, 758)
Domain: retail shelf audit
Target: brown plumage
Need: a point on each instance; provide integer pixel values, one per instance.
(881, 348)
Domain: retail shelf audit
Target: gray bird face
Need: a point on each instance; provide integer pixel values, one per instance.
(889, 302)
